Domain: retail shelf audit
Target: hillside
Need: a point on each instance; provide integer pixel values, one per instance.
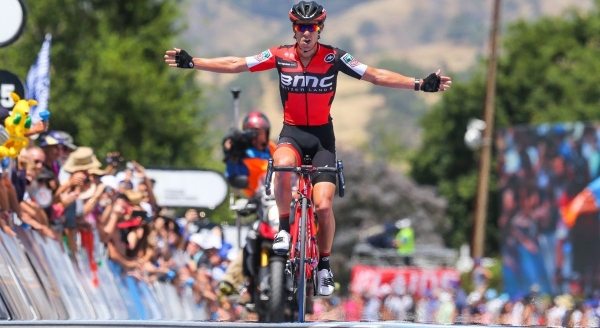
(450, 34)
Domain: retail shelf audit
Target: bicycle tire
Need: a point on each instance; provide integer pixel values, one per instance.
(301, 290)
(277, 297)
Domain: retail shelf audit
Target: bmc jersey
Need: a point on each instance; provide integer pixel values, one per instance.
(307, 92)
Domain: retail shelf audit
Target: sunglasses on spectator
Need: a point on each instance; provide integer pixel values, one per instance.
(306, 27)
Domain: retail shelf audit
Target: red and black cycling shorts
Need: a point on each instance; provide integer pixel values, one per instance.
(314, 142)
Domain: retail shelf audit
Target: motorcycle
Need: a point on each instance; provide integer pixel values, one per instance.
(264, 269)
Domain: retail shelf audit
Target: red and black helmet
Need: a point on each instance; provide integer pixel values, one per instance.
(256, 120)
(307, 12)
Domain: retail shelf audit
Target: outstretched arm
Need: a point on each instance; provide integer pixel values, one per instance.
(383, 77)
(180, 58)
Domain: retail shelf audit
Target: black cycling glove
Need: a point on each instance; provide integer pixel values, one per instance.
(184, 60)
(431, 83)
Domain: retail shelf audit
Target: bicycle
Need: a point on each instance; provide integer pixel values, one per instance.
(301, 266)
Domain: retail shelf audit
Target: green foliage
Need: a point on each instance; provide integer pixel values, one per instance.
(548, 72)
(109, 86)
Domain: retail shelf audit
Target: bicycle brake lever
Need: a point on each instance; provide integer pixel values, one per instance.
(268, 177)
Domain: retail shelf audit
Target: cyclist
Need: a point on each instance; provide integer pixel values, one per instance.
(307, 83)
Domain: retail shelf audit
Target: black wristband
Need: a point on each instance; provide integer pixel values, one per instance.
(184, 60)
(417, 84)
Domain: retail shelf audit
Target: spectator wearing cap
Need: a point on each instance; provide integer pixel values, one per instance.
(195, 251)
(57, 145)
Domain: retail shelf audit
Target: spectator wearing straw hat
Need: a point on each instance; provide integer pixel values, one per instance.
(79, 183)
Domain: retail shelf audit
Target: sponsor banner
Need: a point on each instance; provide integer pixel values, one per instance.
(188, 188)
(417, 281)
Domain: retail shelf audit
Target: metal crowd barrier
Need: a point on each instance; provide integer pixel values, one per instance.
(40, 281)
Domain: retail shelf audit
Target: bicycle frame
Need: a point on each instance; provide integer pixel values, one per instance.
(304, 252)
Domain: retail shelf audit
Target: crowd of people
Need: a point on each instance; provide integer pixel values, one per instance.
(547, 239)
(456, 306)
(64, 192)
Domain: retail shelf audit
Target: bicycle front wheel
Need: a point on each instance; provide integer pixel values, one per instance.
(301, 283)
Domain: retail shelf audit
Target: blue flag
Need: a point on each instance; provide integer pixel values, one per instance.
(37, 85)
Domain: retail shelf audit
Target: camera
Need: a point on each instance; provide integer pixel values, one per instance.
(248, 135)
(239, 141)
(141, 214)
(114, 158)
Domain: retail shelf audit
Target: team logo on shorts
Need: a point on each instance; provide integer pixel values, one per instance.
(329, 58)
(350, 61)
(263, 56)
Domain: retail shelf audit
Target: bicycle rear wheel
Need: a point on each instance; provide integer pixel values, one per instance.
(301, 283)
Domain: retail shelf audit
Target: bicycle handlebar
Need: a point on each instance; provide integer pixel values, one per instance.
(306, 169)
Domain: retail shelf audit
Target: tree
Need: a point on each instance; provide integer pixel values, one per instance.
(376, 194)
(109, 86)
(548, 72)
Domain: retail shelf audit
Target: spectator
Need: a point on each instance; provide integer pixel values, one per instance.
(405, 241)
(78, 163)
(481, 276)
(57, 145)
(31, 213)
(116, 230)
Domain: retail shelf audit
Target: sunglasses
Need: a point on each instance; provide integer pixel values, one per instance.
(307, 27)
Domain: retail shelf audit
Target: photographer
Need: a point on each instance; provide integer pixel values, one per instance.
(246, 153)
